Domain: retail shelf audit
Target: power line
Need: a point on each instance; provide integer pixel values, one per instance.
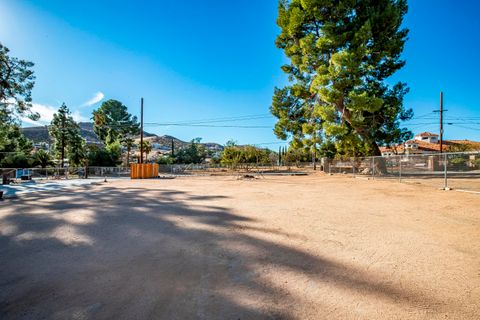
(210, 121)
(199, 121)
(267, 143)
(206, 125)
(464, 127)
(225, 119)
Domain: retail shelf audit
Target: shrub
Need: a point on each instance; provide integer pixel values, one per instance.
(458, 163)
(165, 160)
(17, 160)
(476, 163)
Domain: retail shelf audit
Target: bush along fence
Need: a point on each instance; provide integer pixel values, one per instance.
(459, 171)
(232, 169)
(10, 175)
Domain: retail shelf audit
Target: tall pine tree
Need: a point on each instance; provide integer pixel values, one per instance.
(113, 122)
(341, 53)
(65, 133)
(16, 83)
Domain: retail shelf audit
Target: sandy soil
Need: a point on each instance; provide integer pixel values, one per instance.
(312, 247)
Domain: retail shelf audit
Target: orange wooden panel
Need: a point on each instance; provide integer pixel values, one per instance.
(144, 170)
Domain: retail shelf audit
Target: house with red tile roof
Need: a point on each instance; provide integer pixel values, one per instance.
(427, 137)
(428, 143)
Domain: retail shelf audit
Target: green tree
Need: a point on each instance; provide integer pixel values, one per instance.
(113, 122)
(328, 149)
(16, 160)
(16, 83)
(76, 151)
(296, 156)
(165, 160)
(194, 152)
(115, 151)
(42, 158)
(15, 141)
(294, 107)
(235, 156)
(147, 148)
(14, 146)
(103, 157)
(341, 53)
(129, 143)
(64, 131)
(231, 155)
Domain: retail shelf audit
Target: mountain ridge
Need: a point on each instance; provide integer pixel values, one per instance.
(39, 134)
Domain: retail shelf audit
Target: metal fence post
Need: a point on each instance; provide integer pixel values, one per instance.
(373, 168)
(353, 167)
(400, 168)
(445, 184)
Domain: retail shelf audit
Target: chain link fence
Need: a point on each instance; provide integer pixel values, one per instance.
(236, 169)
(460, 171)
(14, 175)
(10, 175)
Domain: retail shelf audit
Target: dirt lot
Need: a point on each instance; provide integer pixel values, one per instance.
(312, 247)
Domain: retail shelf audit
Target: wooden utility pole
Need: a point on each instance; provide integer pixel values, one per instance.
(441, 111)
(141, 130)
(441, 122)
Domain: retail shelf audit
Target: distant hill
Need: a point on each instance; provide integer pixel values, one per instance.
(40, 135)
(164, 140)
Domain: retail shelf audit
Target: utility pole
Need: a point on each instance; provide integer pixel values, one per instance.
(141, 130)
(441, 122)
(441, 111)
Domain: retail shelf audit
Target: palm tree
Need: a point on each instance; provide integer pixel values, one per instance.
(129, 143)
(43, 159)
(147, 148)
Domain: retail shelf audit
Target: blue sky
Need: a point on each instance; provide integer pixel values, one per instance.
(217, 59)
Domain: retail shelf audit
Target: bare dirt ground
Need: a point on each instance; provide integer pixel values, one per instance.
(311, 247)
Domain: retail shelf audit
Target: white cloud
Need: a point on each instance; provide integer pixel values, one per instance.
(46, 115)
(95, 99)
(78, 117)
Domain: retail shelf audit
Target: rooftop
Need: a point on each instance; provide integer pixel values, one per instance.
(426, 134)
(434, 147)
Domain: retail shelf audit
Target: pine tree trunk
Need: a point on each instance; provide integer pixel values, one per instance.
(380, 166)
(63, 150)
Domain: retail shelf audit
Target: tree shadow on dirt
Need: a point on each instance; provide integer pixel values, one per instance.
(123, 253)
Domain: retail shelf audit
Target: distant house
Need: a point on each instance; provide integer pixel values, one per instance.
(428, 143)
(427, 137)
(41, 146)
